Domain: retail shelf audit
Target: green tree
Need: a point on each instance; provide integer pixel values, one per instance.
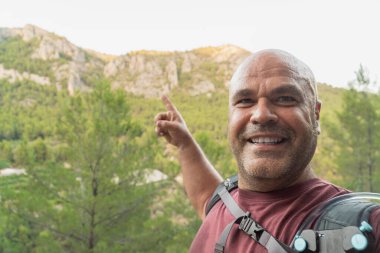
(96, 198)
(357, 134)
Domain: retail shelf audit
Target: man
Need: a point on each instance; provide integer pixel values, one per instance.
(273, 127)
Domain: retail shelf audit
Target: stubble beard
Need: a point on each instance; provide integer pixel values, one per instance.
(284, 167)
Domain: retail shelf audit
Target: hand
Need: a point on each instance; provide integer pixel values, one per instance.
(172, 126)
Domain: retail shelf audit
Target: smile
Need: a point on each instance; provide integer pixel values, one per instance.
(266, 140)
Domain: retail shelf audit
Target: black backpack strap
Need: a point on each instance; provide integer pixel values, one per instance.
(349, 209)
(229, 184)
(351, 213)
(340, 218)
(343, 215)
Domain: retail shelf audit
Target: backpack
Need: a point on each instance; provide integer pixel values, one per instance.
(344, 218)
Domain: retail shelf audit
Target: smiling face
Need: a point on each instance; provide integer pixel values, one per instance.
(273, 120)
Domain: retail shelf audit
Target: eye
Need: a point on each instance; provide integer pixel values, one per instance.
(286, 100)
(245, 102)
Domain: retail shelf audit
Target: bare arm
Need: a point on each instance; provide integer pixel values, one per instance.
(199, 177)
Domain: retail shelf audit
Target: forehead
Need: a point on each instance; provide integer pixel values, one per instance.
(270, 70)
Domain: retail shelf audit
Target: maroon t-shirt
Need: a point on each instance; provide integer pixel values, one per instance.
(279, 212)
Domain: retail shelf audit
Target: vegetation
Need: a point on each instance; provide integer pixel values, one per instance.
(16, 54)
(88, 195)
(357, 136)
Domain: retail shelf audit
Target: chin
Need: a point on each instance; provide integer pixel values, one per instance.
(262, 171)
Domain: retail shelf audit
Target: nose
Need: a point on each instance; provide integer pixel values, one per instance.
(263, 113)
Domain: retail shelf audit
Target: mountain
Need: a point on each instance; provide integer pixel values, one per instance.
(35, 54)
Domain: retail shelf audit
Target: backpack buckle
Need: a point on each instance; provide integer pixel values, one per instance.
(250, 227)
(227, 183)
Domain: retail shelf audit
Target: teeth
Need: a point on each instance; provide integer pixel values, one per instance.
(265, 140)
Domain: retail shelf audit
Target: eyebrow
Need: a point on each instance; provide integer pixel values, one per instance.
(242, 93)
(291, 89)
(287, 88)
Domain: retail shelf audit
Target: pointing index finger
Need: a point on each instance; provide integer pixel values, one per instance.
(168, 104)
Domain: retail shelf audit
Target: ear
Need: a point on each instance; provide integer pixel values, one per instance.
(318, 106)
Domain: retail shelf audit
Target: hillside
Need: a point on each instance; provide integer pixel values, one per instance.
(144, 73)
(31, 53)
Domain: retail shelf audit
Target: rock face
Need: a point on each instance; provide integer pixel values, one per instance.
(54, 49)
(11, 171)
(50, 47)
(152, 74)
(68, 62)
(202, 87)
(12, 76)
(143, 73)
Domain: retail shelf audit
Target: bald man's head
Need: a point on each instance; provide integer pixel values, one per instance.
(273, 120)
(271, 60)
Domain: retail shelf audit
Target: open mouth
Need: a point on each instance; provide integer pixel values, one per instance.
(266, 140)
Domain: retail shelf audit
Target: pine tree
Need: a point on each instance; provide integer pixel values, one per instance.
(93, 197)
(358, 135)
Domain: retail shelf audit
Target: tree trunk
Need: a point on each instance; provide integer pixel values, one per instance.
(91, 237)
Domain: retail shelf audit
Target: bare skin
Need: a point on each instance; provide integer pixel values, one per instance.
(199, 177)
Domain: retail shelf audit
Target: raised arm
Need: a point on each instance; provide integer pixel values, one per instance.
(199, 177)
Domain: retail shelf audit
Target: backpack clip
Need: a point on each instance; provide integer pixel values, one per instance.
(250, 227)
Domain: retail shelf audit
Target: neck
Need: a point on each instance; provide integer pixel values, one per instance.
(267, 184)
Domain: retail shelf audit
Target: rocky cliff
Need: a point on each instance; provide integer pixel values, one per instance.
(143, 73)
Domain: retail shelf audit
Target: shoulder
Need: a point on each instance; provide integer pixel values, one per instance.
(325, 187)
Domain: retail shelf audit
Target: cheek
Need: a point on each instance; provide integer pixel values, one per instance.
(237, 122)
(300, 121)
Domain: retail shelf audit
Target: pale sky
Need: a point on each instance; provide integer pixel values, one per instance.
(332, 36)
